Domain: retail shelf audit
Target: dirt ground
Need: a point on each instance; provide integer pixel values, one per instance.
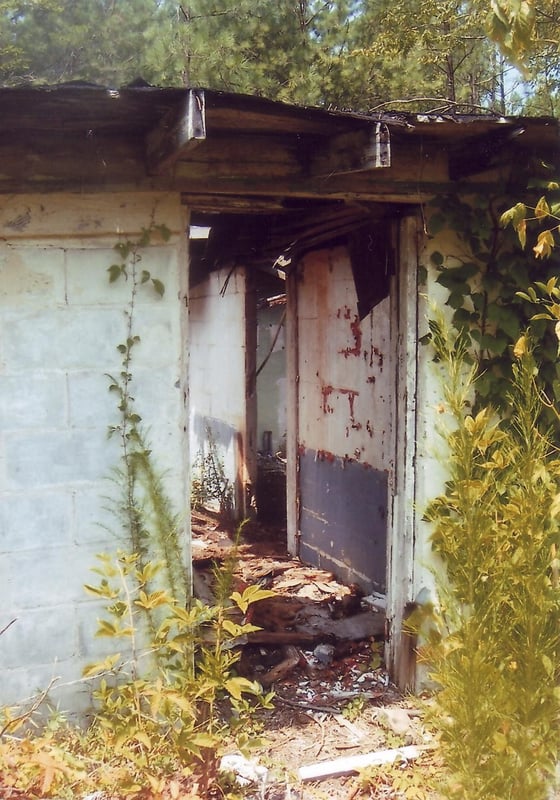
(315, 722)
(334, 701)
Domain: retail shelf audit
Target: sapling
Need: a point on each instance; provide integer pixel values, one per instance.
(494, 644)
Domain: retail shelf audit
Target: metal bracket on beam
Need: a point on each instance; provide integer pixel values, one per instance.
(178, 131)
(378, 154)
(359, 151)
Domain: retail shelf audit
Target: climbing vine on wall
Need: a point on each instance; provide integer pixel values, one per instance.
(146, 513)
(484, 271)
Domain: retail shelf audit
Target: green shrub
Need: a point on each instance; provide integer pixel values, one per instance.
(494, 643)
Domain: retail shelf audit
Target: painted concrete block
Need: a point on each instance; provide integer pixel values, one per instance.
(36, 401)
(29, 518)
(88, 278)
(157, 329)
(53, 458)
(61, 339)
(69, 695)
(59, 329)
(88, 217)
(95, 519)
(158, 393)
(48, 576)
(31, 276)
(40, 636)
(84, 387)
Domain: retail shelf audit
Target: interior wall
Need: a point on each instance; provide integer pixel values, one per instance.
(271, 381)
(221, 357)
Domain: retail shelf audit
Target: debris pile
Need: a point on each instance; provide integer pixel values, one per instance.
(320, 645)
(311, 621)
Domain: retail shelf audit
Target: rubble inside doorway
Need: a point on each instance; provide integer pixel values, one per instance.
(311, 621)
(320, 648)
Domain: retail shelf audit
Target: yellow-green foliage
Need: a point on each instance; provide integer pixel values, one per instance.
(494, 645)
(166, 701)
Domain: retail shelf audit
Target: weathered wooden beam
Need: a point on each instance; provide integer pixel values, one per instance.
(270, 160)
(241, 204)
(407, 192)
(226, 173)
(367, 149)
(278, 638)
(176, 133)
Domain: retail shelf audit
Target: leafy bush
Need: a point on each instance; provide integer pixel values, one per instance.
(165, 706)
(493, 643)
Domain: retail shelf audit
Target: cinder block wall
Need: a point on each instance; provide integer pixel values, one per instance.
(60, 323)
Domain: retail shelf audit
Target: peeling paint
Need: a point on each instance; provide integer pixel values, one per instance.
(377, 352)
(20, 222)
(327, 391)
(356, 333)
(324, 455)
(347, 430)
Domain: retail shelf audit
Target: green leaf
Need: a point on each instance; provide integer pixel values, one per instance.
(542, 209)
(456, 300)
(237, 687)
(115, 271)
(90, 670)
(547, 664)
(158, 286)
(252, 594)
(145, 237)
(231, 628)
(545, 244)
(123, 249)
(142, 738)
(437, 222)
(152, 600)
(204, 740)
(101, 591)
(164, 232)
(521, 230)
(514, 215)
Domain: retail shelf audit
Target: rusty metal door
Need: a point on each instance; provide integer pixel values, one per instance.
(344, 397)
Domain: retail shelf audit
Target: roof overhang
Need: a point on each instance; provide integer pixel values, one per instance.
(239, 154)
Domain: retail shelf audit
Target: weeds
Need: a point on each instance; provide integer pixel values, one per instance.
(209, 483)
(400, 781)
(354, 709)
(163, 711)
(493, 645)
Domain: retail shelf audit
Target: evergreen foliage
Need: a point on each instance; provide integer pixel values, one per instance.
(348, 54)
